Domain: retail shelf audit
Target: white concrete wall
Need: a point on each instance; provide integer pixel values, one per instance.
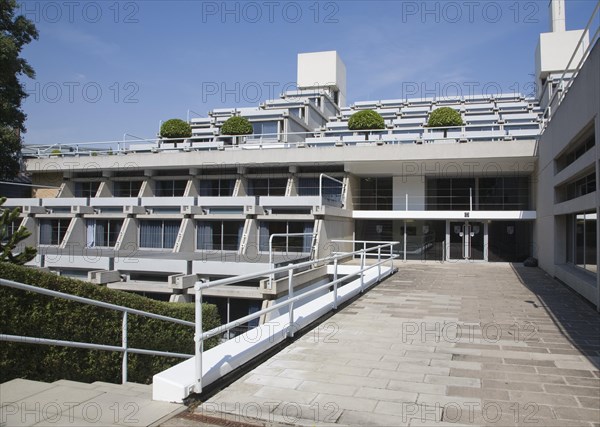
(579, 109)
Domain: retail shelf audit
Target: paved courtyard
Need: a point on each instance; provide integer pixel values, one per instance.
(452, 344)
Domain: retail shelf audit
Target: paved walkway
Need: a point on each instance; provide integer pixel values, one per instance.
(452, 344)
(69, 403)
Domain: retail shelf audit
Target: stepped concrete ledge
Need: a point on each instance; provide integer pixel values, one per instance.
(438, 345)
(69, 403)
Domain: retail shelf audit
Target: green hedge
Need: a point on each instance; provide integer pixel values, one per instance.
(444, 116)
(35, 315)
(366, 120)
(236, 125)
(175, 128)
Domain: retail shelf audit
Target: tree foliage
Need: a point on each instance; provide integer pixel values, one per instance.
(444, 116)
(175, 128)
(237, 125)
(366, 120)
(15, 33)
(8, 241)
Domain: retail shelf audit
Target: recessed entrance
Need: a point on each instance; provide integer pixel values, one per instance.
(466, 240)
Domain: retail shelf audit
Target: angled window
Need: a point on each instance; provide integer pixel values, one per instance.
(103, 232)
(157, 234)
(52, 231)
(219, 235)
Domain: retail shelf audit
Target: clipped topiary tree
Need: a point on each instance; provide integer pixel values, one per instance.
(444, 117)
(366, 120)
(175, 128)
(236, 125)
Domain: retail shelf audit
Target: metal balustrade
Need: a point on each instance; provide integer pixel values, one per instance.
(123, 348)
(383, 257)
(569, 74)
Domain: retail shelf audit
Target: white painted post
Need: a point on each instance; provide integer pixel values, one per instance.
(379, 263)
(335, 277)
(124, 344)
(470, 199)
(362, 273)
(291, 295)
(391, 257)
(198, 342)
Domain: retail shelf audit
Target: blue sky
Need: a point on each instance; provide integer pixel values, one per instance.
(105, 68)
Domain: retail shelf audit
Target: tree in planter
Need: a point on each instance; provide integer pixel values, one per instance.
(8, 242)
(444, 117)
(366, 120)
(236, 126)
(175, 128)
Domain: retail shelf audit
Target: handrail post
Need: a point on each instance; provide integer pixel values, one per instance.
(470, 199)
(335, 277)
(291, 295)
(392, 257)
(379, 263)
(198, 342)
(124, 344)
(362, 272)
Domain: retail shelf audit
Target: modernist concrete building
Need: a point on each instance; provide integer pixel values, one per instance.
(518, 179)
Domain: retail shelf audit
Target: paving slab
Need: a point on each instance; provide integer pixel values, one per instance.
(437, 344)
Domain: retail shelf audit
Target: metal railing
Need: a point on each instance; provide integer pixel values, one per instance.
(123, 348)
(286, 235)
(200, 336)
(569, 74)
(466, 202)
(288, 140)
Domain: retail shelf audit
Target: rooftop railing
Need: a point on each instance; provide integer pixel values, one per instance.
(338, 137)
(571, 71)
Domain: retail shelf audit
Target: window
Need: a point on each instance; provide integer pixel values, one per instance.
(127, 188)
(9, 229)
(219, 235)
(103, 232)
(576, 152)
(286, 243)
(375, 194)
(503, 193)
(52, 231)
(170, 188)
(159, 234)
(86, 189)
(450, 193)
(577, 188)
(217, 187)
(298, 112)
(582, 229)
(267, 186)
(331, 190)
(264, 130)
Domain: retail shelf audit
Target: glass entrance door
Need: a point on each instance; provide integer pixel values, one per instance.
(466, 240)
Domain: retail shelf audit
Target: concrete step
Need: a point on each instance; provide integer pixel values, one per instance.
(64, 402)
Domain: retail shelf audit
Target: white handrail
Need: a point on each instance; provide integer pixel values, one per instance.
(547, 115)
(200, 335)
(124, 348)
(286, 245)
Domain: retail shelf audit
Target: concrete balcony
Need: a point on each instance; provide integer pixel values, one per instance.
(114, 201)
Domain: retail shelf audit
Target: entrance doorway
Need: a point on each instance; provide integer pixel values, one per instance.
(466, 240)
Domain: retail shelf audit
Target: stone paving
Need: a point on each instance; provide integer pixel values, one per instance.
(451, 344)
